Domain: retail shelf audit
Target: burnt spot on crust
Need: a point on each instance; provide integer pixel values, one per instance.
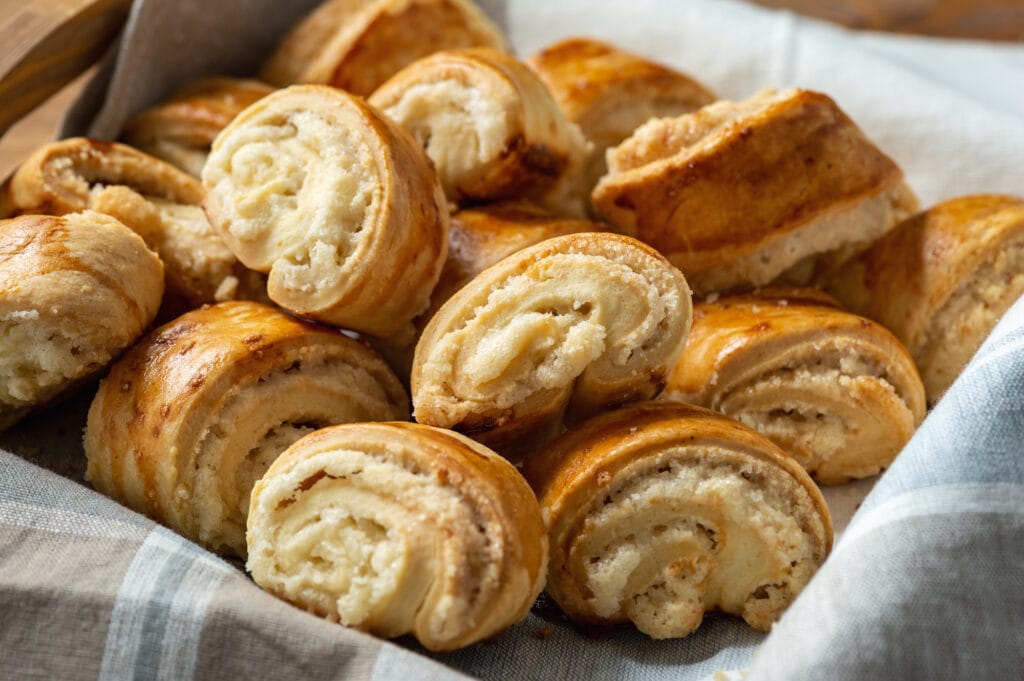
(197, 380)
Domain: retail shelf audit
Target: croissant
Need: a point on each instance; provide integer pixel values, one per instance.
(74, 292)
(579, 322)
(192, 416)
(356, 46)
(781, 187)
(337, 203)
(941, 280)
(836, 391)
(659, 512)
(181, 129)
(396, 528)
(153, 198)
(609, 93)
(489, 125)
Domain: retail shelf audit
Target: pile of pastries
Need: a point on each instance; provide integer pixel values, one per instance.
(418, 329)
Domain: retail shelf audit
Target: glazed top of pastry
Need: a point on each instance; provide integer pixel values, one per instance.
(582, 72)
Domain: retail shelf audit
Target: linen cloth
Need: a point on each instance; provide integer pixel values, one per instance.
(926, 582)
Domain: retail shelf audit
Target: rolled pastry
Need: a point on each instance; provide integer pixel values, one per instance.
(192, 416)
(153, 198)
(396, 528)
(338, 204)
(490, 126)
(609, 93)
(580, 322)
(660, 512)
(781, 187)
(941, 280)
(74, 292)
(357, 45)
(836, 391)
(181, 129)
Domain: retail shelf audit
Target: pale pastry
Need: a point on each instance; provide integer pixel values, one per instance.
(610, 92)
(337, 203)
(836, 391)
(191, 417)
(941, 280)
(663, 511)
(356, 45)
(153, 198)
(181, 129)
(782, 187)
(490, 126)
(573, 325)
(398, 528)
(74, 292)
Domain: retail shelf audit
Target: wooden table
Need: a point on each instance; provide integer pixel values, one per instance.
(988, 19)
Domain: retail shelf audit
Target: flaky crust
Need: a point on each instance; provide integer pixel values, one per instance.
(941, 280)
(610, 92)
(489, 125)
(661, 511)
(74, 292)
(335, 202)
(837, 391)
(193, 415)
(775, 187)
(580, 322)
(181, 129)
(356, 44)
(451, 546)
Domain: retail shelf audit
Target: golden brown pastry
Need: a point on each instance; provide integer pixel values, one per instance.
(836, 391)
(941, 280)
(780, 187)
(181, 129)
(190, 418)
(74, 292)
(580, 322)
(399, 528)
(489, 125)
(358, 44)
(609, 93)
(660, 512)
(337, 203)
(153, 198)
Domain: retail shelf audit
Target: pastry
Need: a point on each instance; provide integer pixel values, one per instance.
(74, 292)
(781, 187)
(356, 45)
(153, 198)
(192, 416)
(181, 129)
(941, 280)
(489, 125)
(609, 93)
(663, 511)
(338, 204)
(399, 528)
(581, 322)
(836, 391)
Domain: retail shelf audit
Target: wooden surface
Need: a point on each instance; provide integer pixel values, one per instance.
(46, 65)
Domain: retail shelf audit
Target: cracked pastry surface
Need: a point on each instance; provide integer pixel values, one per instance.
(337, 204)
(398, 528)
(836, 391)
(489, 125)
(356, 45)
(574, 324)
(660, 512)
(191, 417)
(782, 187)
(75, 291)
(942, 280)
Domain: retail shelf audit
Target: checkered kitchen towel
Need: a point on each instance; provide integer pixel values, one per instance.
(927, 581)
